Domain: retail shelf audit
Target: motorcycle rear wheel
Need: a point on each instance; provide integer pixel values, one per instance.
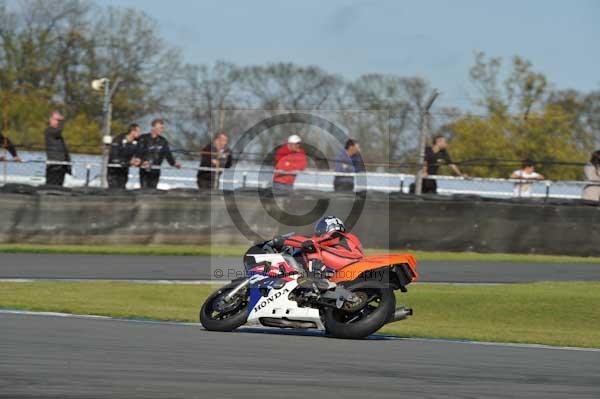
(380, 302)
(214, 319)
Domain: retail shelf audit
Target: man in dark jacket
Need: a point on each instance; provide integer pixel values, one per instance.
(57, 153)
(153, 149)
(123, 151)
(435, 156)
(6, 144)
(348, 160)
(214, 155)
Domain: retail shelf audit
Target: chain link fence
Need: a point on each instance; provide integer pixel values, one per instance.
(86, 172)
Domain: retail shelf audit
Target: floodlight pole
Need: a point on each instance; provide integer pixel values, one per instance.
(106, 131)
(424, 132)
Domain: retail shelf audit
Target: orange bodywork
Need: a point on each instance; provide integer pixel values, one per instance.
(354, 270)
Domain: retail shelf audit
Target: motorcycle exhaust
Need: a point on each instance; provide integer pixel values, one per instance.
(285, 323)
(401, 313)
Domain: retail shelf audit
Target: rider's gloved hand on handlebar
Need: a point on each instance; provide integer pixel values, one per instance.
(277, 242)
(308, 247)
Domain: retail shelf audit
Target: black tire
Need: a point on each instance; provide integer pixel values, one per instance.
(223, 321)
(337, 325)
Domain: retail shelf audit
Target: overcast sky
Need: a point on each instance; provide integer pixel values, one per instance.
(432, 39)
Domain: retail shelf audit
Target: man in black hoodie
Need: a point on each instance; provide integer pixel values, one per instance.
(153, 149)
(215, 155)
(123, 151)
(6, 144)
(57, 153)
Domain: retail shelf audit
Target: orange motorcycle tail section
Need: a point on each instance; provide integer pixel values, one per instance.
(405, 264)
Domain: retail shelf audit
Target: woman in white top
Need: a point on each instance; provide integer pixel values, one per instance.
(527, 174)
(592, 174)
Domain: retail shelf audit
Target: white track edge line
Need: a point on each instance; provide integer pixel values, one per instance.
(391, 337)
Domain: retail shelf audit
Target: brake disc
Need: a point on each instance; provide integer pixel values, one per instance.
(359, 300)
(222, 306)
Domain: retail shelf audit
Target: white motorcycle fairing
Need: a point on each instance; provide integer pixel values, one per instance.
(276, 304)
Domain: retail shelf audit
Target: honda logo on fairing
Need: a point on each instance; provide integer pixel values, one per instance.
(270, 299)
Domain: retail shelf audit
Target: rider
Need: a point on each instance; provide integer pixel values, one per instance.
(329, 249)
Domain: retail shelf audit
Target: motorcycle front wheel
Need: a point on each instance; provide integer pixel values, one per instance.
(365, 316)
(217, 314)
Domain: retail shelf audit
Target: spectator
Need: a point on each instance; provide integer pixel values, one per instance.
(6, 144)
(348, 160)
(123, 150)
(57, 153)
(528, 174)
(592, 174)
(214, 155)
(153, 149)
(290, 157)
(435, 156)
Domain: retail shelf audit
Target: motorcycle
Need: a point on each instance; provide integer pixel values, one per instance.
(357, 302)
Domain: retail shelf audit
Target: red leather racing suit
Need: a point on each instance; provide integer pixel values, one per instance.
(335, 249)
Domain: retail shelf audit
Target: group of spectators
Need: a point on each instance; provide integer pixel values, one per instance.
(290, 159)
(148, 151)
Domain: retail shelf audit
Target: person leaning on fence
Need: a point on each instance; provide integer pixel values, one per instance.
(153, 149)
(123, 153)
(290, 157)
(435, 156)
(214, 155)
(57, 153)
(8, 146)
(591, 192)
(348, 160)
(527, 175)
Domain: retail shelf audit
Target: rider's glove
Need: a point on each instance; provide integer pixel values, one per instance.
(308, 246)
(277, 242)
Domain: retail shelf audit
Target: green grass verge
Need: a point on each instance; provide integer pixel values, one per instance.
(238, 250)
(545, 313)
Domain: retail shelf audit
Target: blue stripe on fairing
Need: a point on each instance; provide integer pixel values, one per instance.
(254, 298)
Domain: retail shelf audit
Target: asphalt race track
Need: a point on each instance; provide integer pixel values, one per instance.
(56, 357)
(204, 268)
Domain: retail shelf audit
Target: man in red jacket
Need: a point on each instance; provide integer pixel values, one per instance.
(290, 157)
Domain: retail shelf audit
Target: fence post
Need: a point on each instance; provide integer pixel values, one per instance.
(107, 120)
(424, 132)
(5, 167)
(87, 174)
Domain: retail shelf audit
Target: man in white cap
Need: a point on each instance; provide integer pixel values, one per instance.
(290, 157)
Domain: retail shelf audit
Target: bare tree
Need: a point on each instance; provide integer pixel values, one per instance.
(206, 102)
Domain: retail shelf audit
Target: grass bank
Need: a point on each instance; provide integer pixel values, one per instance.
(544, 313)
(185, 250)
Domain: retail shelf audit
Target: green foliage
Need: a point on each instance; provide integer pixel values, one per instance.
(51, 51)
(547, 127)
(25, 118)
(547, 137)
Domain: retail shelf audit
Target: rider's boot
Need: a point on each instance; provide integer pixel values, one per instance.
(316, 283)
(315, 277)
